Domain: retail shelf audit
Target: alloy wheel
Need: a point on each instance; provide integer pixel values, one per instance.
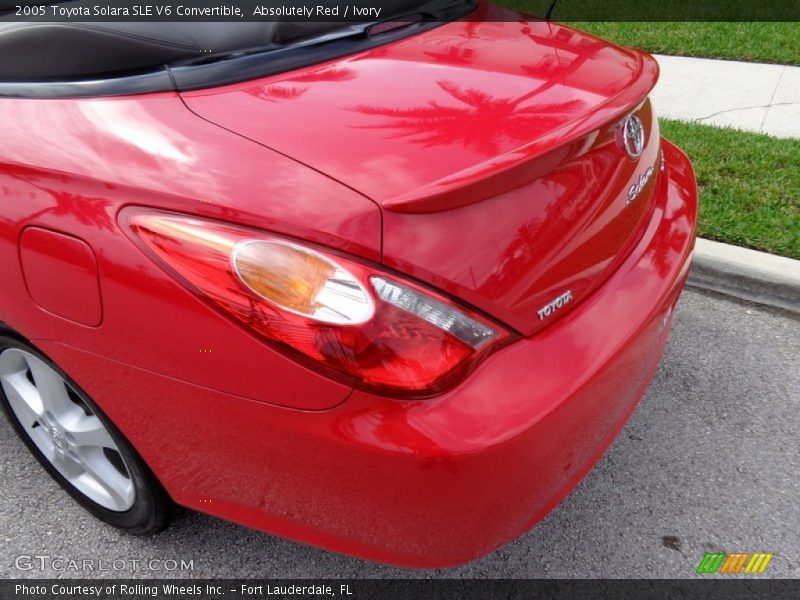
(66, 430)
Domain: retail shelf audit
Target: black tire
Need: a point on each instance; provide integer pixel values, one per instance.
(152, 506)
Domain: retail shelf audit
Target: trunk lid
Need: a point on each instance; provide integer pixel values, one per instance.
(494, 148)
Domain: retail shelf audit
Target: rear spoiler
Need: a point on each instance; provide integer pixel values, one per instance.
(529, 161)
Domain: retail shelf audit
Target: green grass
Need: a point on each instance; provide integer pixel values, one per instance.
(749, 185)
(729, 29)
(754, 42)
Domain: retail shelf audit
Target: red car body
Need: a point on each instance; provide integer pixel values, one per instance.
(478, 158)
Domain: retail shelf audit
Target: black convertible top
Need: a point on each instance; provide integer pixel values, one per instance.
(65, 59)
(41, 51)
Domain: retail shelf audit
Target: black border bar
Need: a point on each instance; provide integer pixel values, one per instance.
(400, 589)
(344, 10)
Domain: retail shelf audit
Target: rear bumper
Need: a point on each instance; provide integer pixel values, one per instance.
(426, 483)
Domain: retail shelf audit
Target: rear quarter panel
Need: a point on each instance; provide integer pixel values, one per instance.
(70, 165)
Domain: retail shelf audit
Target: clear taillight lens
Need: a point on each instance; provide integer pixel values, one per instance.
(351, 319)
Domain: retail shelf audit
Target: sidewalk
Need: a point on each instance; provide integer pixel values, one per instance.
(756, 97)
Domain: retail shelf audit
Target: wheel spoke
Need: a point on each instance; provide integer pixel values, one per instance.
(69, 466)
(105, 479)
(52, 389)
(23, 398)
(89, 431)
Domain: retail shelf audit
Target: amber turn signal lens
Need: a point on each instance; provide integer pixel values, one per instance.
(302, 281)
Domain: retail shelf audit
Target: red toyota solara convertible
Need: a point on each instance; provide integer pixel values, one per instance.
(388, 288)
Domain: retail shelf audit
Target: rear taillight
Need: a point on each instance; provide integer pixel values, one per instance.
(354, 320)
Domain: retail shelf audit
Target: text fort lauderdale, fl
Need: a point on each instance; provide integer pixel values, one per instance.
(139, 590)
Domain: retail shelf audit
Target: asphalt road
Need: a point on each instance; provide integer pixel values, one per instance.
(709, 461)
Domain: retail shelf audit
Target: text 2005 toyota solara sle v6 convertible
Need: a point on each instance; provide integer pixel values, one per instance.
(390, 289)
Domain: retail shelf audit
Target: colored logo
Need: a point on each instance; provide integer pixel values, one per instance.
(737, 562)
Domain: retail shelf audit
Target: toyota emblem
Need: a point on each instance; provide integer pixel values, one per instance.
(632, 138)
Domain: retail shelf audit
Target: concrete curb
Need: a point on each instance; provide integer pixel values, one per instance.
(746, 274)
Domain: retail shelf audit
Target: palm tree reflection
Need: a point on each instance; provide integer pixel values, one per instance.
(88, 210)
(285, 90)
(277, 92)
(483, 123)
(326, 74)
